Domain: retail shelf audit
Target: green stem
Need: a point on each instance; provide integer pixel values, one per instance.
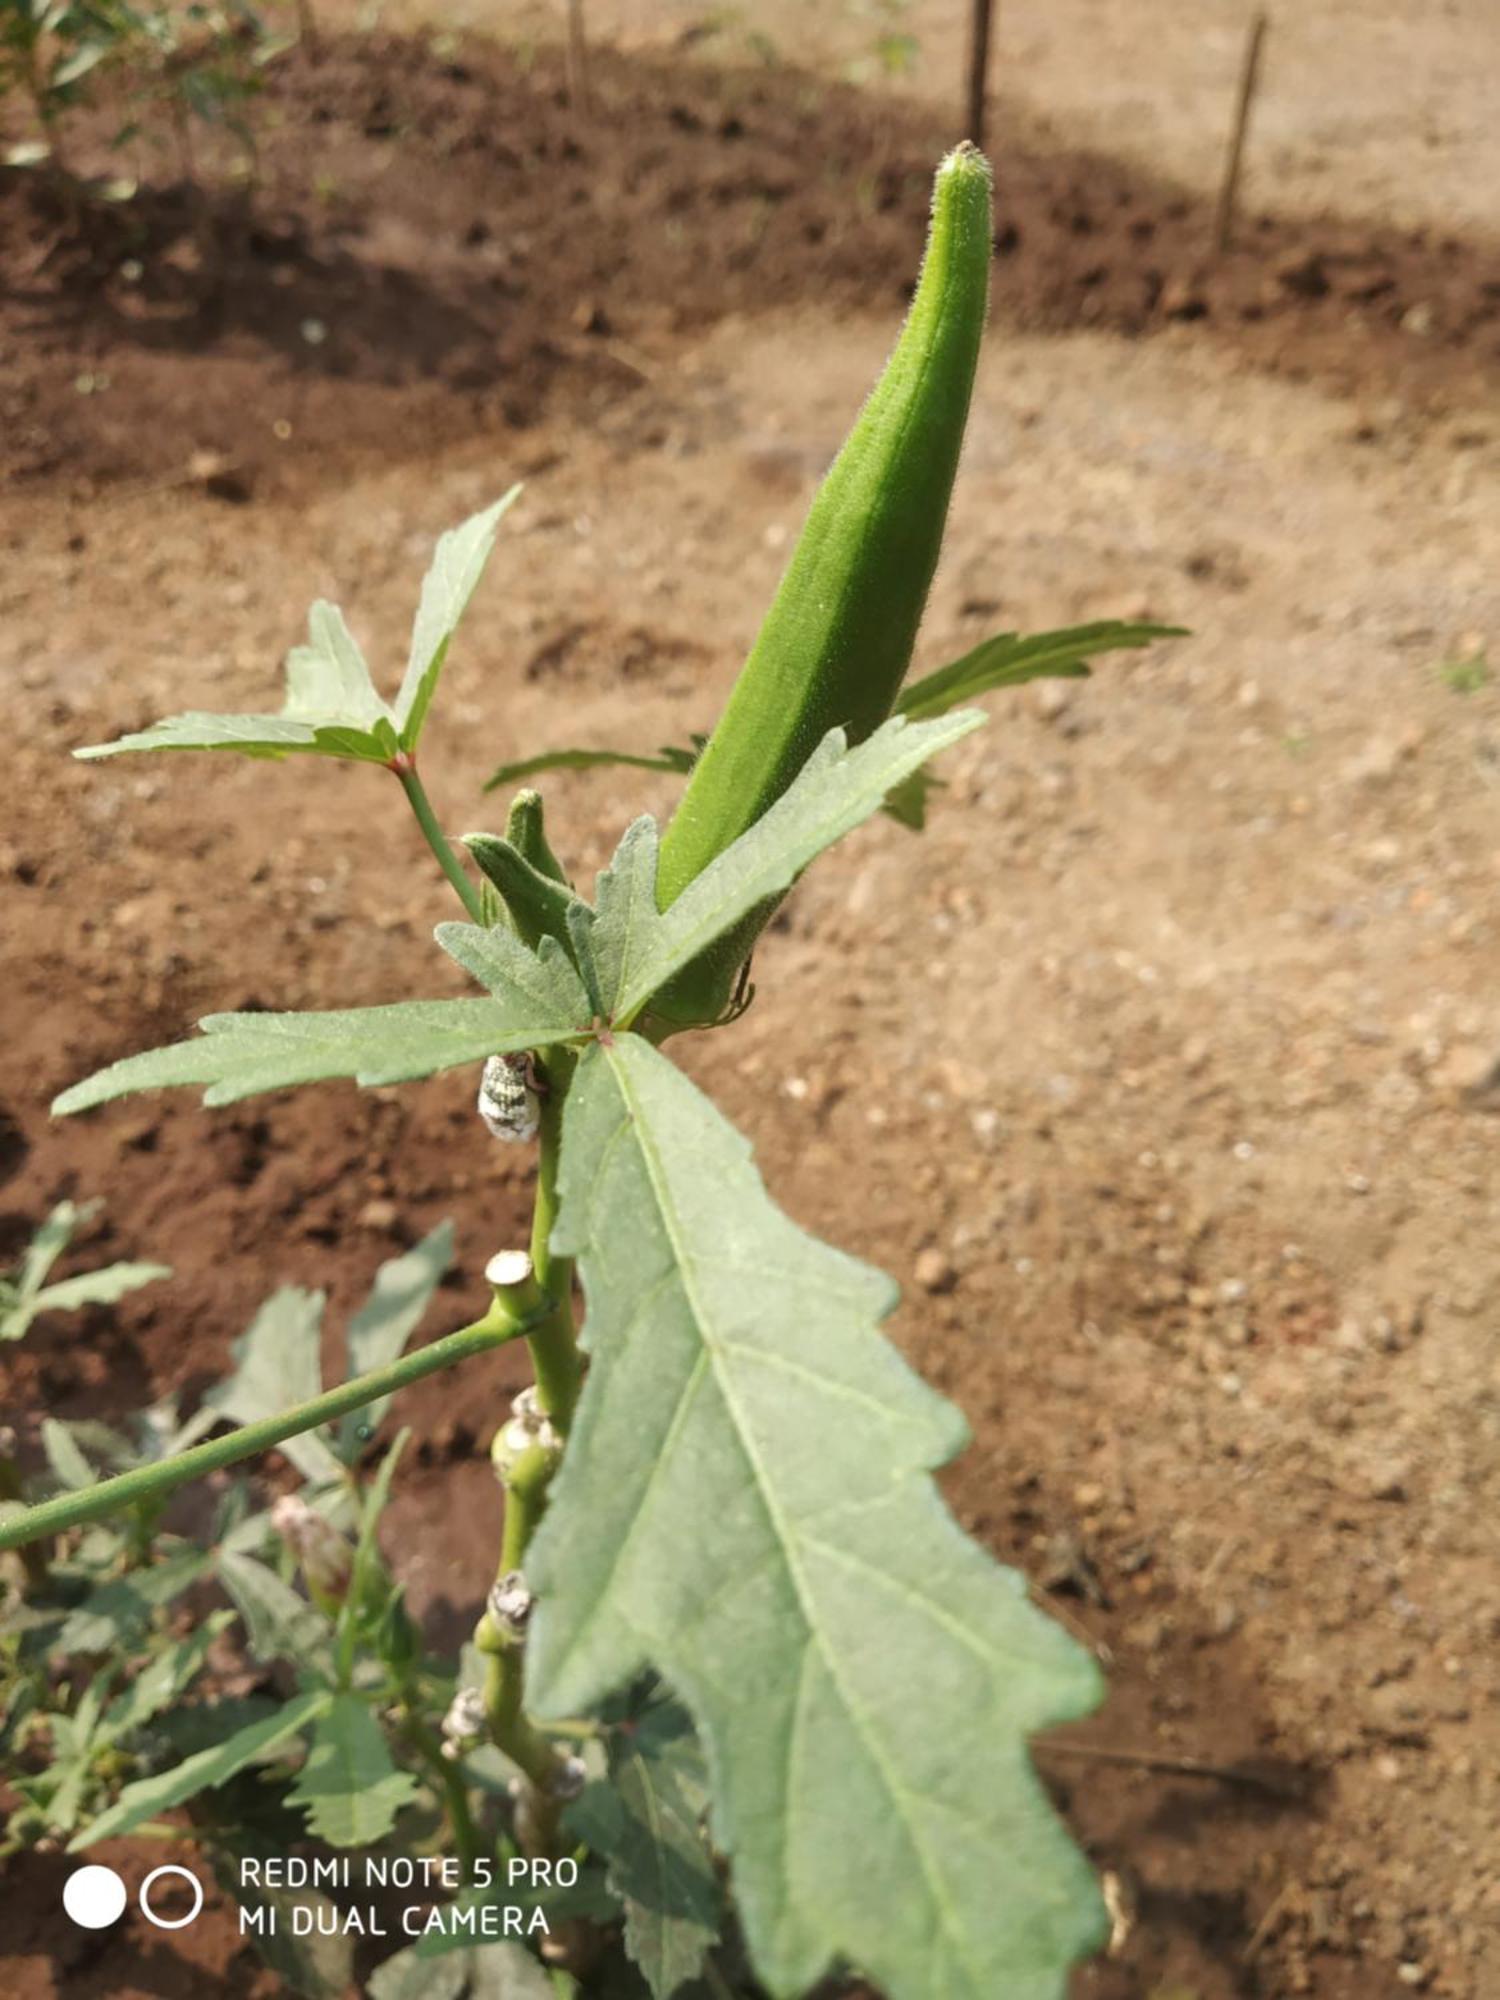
(554, 1342)
(449, 1781)
(405, 769)
(34, 1560)
(70, 1510)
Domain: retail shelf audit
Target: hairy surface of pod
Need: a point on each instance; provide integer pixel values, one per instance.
(837, 641)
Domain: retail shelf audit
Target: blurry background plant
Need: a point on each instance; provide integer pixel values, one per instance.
(164, 68)
(144, 1669)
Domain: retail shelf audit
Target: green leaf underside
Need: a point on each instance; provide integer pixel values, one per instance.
(379, 1331)
(278, 1360)
(637, 950)
(746, 1508)
(204, 1771)
(498, 1971)
(239, 1054)
(333, 708)
(647, 1822)
(351, 1788)
(1012, 658)
(537, 997)
(458, 563)
(280, 1625)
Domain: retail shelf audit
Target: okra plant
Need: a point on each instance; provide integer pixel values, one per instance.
(735, 1634)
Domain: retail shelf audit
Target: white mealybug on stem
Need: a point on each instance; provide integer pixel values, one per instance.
(507, 1100)
(464, 1723)
(510, 1603)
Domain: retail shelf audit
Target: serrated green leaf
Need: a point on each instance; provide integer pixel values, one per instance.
(279, 1624)
(65, 1456)
(327, 680)
(458, 563)
(668, 758)
(204, 1771)
(111, 1616)
(49, 1241)
(1012, 658)
(745, 1505)
(379, 1331)
(278, 1359)
(266, 736)
(163, 1679)
(97, 1288)
(352, 1790)
(646, 1819)
(638, 951)
(331, 709)
(542, 984)
(237, 1055)
(409, 1976)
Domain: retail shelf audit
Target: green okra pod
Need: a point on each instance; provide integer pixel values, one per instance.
(837, 641)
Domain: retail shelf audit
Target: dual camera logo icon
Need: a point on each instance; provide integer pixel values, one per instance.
(95, 1897)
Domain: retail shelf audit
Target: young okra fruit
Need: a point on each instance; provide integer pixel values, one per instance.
(733, 1624)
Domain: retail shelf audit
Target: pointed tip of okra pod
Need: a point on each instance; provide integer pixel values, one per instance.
(966, 159)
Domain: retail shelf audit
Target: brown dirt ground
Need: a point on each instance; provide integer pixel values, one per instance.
(1174, 1040)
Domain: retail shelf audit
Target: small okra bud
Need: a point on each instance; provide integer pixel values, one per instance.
(837, 641)
(326, 1558)
(569, 1779)
(507, 1102)
(464, 1723)
(510, 1604)
(526, 831)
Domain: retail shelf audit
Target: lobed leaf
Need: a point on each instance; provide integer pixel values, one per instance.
(458, 563)
(349, 1783)
(1012, 658)
(746, 1507)
(203, 1771)
(379, 1331)
(279, 1624)
(670, 757)
(639, 950)
(239, 1054)
(279, 1364)
(646, 1819)
(332, 707)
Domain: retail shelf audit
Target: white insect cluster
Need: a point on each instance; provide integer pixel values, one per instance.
(507, 1102)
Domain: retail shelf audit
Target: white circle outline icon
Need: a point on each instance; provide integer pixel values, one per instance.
(170, 1923)
(94, 1896)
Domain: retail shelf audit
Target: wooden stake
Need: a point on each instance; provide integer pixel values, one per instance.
(1249, 81)
(578, 58)
(979, 68)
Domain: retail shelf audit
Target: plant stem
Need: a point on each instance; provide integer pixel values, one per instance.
(34, 1560)
(554, 1342)
(404, 766)
(70, 1510)
(449, 1781)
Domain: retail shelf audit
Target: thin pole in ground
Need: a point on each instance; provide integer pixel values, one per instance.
(980, 35)
(578, 58)
(1249, 83)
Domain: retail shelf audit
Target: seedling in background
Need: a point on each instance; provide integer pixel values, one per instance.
(733, 1620)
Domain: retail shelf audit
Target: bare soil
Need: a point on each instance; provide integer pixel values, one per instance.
(1162, 1071)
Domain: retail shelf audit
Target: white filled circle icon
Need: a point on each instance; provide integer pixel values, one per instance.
(94, 1897)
